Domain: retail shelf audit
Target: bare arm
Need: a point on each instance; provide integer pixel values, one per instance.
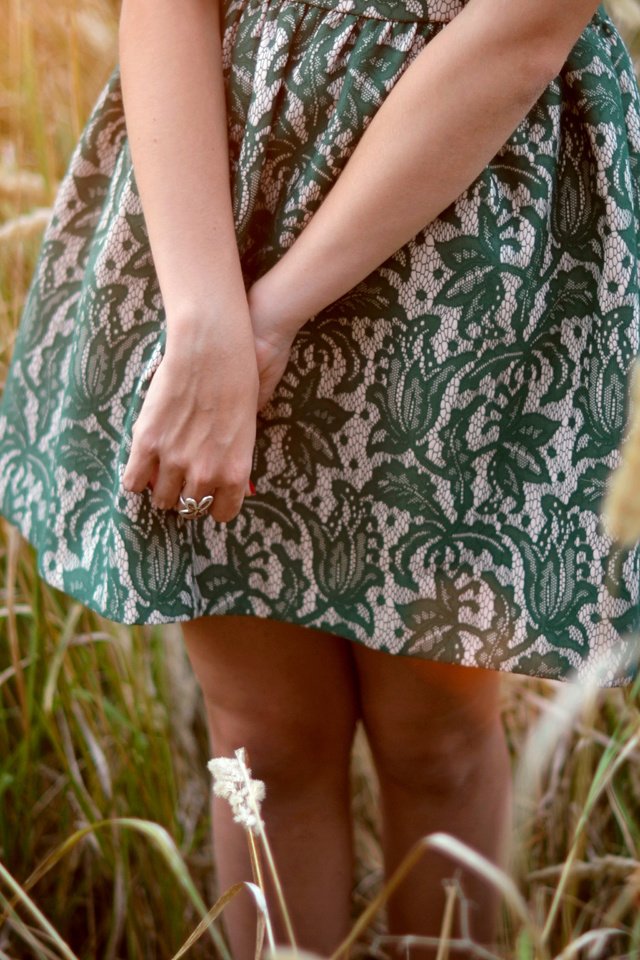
(173, 93)
(442, 123)
(197, 424)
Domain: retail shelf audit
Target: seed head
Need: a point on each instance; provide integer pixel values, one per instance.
(232, 781)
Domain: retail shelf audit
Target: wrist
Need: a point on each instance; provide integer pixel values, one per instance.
(271, 310)
(194, 329)
(223, 363)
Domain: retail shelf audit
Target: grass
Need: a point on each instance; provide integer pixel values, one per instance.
(104, 795)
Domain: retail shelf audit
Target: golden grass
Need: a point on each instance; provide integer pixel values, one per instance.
(104, 794)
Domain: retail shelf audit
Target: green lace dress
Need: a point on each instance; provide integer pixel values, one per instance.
(430, 468)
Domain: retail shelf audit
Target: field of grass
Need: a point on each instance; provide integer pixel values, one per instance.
(104, 791)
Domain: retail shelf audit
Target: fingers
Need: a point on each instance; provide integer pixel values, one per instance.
(227, 501)
(182, 447)
(141, 467)
(168, 485)
(168, 479)
(228, 489)
(144, 469)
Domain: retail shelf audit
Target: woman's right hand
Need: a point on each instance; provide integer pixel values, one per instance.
(195, 432)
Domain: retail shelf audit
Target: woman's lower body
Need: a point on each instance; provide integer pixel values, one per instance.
(292, 696)
(429, 471)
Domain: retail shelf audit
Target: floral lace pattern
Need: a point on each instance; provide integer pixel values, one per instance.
(430, 468)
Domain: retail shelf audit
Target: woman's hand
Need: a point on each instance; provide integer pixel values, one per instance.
(272, 339)
(272, 353)
(197, 424)
(196, 428)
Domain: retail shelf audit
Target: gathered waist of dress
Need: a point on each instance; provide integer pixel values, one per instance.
(435, 11)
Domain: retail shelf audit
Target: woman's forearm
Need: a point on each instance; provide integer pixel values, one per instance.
(173, 94)
(442, 123)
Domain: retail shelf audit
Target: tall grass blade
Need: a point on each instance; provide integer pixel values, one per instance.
(584, 940)
(458, 850)
(605, 772)
(164, 843)
(58, 656)
(36, 913)
(214, 912)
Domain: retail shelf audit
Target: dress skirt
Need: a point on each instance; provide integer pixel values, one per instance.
(431, 466)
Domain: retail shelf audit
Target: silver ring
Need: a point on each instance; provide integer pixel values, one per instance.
(191, 509)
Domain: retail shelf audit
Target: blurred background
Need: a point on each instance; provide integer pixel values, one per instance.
(100, 721)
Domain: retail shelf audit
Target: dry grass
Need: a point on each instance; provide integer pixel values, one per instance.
(103, 785)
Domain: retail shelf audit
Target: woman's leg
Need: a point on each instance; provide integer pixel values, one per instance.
(439, 747)
(288, 694)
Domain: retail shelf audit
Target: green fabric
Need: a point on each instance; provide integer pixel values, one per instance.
(430, 469)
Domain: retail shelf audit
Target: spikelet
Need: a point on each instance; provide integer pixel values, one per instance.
(621, 506)
(233, 782)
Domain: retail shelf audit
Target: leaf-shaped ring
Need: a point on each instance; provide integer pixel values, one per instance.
(191, 509)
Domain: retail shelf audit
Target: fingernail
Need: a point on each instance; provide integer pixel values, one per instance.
(252, 487)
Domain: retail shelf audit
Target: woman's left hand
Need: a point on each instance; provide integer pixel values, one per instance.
(272, 354)
(273, 347)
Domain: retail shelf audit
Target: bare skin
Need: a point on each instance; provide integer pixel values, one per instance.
(292, 695)
(196, 429)
(441, 757)
(266, 686)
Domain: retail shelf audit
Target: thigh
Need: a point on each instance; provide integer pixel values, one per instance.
(277, 688)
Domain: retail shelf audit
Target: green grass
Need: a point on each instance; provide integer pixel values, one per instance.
(104, 792)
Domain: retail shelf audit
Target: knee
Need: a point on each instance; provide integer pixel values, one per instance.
(447, 766)
(438, 755)
(287, 749)
(431, 726)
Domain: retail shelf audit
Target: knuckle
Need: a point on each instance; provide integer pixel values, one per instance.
(200, 486)
(146, 445)
(173, 463)
(236, 473)
(203, 472)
